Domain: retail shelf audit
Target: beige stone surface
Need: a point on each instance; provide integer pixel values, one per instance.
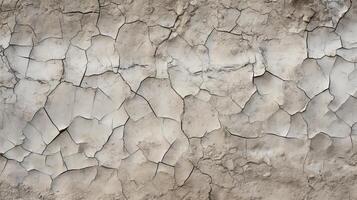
(178, 99)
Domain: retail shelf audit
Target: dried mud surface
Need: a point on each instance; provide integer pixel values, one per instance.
(178, 99)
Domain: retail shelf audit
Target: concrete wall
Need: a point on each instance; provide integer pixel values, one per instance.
(178, 99)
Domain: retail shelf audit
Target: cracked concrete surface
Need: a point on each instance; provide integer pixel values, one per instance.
(178, 99)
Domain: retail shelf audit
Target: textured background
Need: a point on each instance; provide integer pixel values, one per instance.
(178, 99)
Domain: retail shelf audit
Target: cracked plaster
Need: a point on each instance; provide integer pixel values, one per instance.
(164, 99)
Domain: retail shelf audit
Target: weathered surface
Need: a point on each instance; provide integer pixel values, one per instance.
(178, 99)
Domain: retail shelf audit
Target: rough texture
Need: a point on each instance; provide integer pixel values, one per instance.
(178, 99)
